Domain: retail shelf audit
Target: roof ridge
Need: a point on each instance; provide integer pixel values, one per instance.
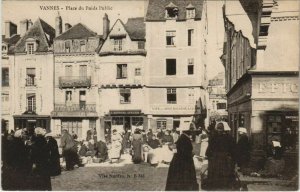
(42, 28)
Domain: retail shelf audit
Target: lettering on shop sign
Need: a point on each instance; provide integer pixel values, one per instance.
(272, 87)
(159, 108)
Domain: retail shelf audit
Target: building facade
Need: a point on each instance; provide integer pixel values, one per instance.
(32, 101)
(175, 64)
(120, 69)
(217, 106)
(75, 79)
(261, 75)
(9, 40)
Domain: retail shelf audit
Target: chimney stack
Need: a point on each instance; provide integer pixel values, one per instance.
(67, 26)
(24, 26)
(29, 23)
(106, 23)
(58, 25)
(10, 29)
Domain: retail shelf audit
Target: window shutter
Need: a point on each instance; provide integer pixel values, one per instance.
(119, 71)
(124, 70)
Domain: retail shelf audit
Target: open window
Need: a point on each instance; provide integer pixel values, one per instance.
(171, 11)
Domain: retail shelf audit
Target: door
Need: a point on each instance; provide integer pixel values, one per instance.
(31, 124)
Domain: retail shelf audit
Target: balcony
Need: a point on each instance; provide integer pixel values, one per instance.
(74, 110)
(74, 81)
(30, 81)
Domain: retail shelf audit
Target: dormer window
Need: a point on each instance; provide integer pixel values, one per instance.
(190, 11)
(31, 46)
(82, 46)
(67, 46)
(171, 11)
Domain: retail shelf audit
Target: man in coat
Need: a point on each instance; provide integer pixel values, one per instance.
(69, 150)
(54, 157)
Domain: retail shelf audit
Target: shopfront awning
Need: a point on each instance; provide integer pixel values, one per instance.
(28, 116)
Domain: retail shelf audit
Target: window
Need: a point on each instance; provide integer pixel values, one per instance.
(137, 71)
(3, 48)
(170, 38)
(5, 98)
(117, 44)
(171, 11)
(30, 80)
(5, 77)
(171, 96)
(82, 46)
(68, 46)
(82, 70)
(72, 126)
(68, 96)
(117, 120)
(171, 66)
(141, 44)
(137, 121)
(191, 93)
(30, 48)
(190, 36)
(68, 70)
(191, 66)
(31, 102)
(82, 100)
(221, 105)
(125, 95)
(161, 124)
(190, 13)
(121, 71)
(92, 124)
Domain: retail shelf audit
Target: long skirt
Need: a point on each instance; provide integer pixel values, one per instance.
(220, 172)
(137, 151)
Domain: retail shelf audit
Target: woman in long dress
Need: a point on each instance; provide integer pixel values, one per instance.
(137, 142)
(182, 173)
(220, 153)
(116, 146)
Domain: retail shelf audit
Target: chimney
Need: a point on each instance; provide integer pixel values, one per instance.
(58, 25)
(24, 26)
(105, 26)
(10, 29)
(29, 23)
(67, 26)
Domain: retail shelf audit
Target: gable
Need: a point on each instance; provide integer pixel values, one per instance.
(78, 31)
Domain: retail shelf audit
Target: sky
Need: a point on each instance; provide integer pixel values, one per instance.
(115, 10)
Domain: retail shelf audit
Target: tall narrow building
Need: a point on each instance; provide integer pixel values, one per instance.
(176, 63)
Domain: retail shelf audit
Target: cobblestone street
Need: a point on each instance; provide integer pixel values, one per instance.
(140, 177)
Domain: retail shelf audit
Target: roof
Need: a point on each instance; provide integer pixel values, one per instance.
(11, 42)
(136, 28)
(78, 31)
(156, 9)
(42, 32)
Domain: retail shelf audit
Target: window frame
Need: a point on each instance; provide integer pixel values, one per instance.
(161, 124)
(191, 64)
(118, 44)
(31, 102)
(121, 73)
(190, 37)
(171, 92)
(122, 93)
(30, 78)
(137, 71)
(172, 35)
(168, 67)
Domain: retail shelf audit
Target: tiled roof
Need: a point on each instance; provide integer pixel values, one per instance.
(78, 31)
(11, 42)
(156, 9)
(41, 32)
(136, 28)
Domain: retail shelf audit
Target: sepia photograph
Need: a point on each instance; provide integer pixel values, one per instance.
(150, 95)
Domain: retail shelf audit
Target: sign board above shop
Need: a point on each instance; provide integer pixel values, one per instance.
(125, 112)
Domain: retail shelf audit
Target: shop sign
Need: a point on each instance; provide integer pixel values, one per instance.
(296, 118)
(127, 112)
(274, 87)
(166, 108)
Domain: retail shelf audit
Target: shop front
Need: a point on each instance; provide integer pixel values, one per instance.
(31, 120)
(122, 120)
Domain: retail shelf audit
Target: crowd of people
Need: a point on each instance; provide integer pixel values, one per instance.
(29, 160)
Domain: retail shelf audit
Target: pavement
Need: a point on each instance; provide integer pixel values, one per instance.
(126, 176)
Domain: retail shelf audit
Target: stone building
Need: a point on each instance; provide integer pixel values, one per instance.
(261, 58)
(33, 102)
(75, 79)
(9, 40)
(175, 73)
(121, 71)
(217, 106)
